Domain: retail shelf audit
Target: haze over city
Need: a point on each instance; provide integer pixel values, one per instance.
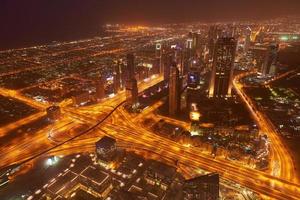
(155, 100)
(25, 23)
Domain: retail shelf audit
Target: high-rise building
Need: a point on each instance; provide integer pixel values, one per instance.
(130, 67)
(124, 73)
(158, 57)
(167, 62)
(117, 77)
(131, 82)
(202, 187)
(100, 92)
(269, 65)
(213, 34)
(194, 40)
(179, 59)
(222, 69)
(247, 42)
(193, 88)
(132, 92)
(174, 90)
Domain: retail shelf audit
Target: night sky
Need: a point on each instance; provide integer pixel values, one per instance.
(29, 22)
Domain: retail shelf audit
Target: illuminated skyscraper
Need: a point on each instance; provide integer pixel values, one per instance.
(132, 92)
(193, 88)
(174, 90)
(269, 66)
(117, 77)
(167, 59)
(131, 82)
(158, 58)
(213, 34)
(194, 40)
(247, 40)
(100, 92)
(222, 70)
(130, 67)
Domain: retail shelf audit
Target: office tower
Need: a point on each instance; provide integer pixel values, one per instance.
(202, 187)
(247, 40)
(100, 91)
(132, 92)
(269, 66)
(222, 70)
(167, 62)
(131, 82)
(158, 58)
(174, 90)
(117, 77)
(259, 53)
(189, 43)
(179, 59)
(123, 68)
(213, 34)
(130, 67)
(193, 88)
(186, 61)
(194, 40)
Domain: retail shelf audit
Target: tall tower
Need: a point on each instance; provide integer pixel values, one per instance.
(130, 66)
(132, 92)
(247, 40)
(269, 67)
(131, 83)
(222, 70)
(100, 92)
(158, 58)
(117, 77)
(174, 90)
(213, 35)
(167, 62)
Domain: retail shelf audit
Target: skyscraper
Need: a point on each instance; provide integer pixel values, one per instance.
(130, 67)
(269, 67)
(222, 69)
(100, 92)
(131, 82)
(193, 88)
(158, 57)
(213, 34)
(132, 92)
(247, 40)
(174, 90)
(167, 61)
(117, 77)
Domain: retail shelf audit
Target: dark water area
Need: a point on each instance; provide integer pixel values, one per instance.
(294, 148)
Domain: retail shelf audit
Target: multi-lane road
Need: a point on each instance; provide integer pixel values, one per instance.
(279, 153)
(126, 129)
(113, 120)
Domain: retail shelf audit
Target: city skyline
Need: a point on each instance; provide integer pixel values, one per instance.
(36, 22)
(139, 102)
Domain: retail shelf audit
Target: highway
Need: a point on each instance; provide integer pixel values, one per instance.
(124, 127)
(115, 121)
(24, 148)
(279, 154)
(125, 130)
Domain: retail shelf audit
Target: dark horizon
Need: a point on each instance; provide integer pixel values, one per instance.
(33, 22)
